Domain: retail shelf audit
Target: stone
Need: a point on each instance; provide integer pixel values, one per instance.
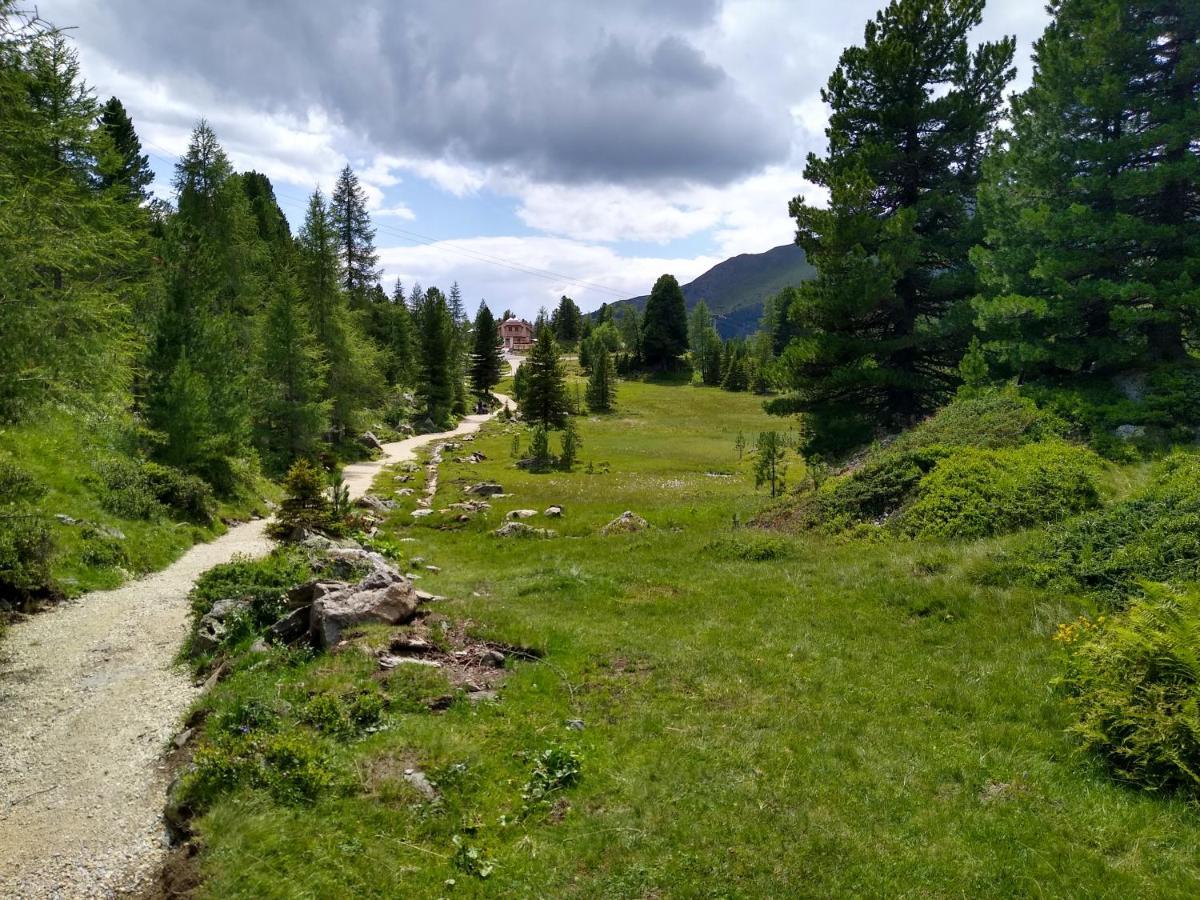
(368, 440)
(493, 659)
(375, 504)
(405, 492)
(426, 597)
(183, 737)
(575, 724)
(626, 523)
(305, 594)
(109, 531)
(260, 646)
(210, 631)
(1130, 432)
(521, 514)
(553, 512)
(423, 785)
(393, 604)
(485, 489)
(433, 570)
(387, 661)
(520, 529)
(291, 627)
(481, 696)
(410, 644)
(65, 519)
(421, 513)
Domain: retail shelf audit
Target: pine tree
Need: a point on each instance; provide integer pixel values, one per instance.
(292, 415)
(770, 461)
(460, 352)
(272, 224)
(602, 383)
(487, 359)
(571, 442)
(1091, 261)
(435, 342)
(355, 238)
(567, 322)
(705, 344)
(887, 318)
(585, 354)
(128, 169)
(664, 325)
(545, 393)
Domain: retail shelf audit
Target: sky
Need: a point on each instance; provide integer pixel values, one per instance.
(523, 149)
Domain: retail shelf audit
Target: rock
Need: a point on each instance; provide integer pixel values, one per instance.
(291, 627)
(405, 492)
(626, 523)
(387, 661)
(409, 644)
(520, 529)
(485, 489)
(391, 604)
(421, 513)
(426, 597)
(177, 815)
(183, 737)
(575, 724)
(553, 512)
(65, 519)
(521, 514)
(375, 504)
(493, 659)
(481, 696)
(433, 570)
(423, 785)
(417, 561)
(305, 594)
(368, 440)
(1130, 432)
(109, 531)
(260, 646)
(210, 631)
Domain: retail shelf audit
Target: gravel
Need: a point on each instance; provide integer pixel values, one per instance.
(90, 699)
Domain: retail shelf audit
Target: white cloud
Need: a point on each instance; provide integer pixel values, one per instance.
(398, 211)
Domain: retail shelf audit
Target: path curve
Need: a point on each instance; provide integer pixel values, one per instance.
(89, 698)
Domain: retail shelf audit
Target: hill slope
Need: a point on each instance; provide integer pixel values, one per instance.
(736, 289)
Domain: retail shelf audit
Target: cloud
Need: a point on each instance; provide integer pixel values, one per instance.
(570, 92)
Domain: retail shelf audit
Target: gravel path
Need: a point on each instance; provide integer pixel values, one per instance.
(89, 698)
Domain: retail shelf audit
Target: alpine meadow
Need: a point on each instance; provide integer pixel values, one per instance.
(720, 449)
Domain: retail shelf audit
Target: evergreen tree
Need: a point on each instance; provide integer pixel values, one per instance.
(355, 238)
(585, 354)
(292, 414)
(887, 318)
(487, 360)
(567, 322)
(782, 324)
(393, 330)
(272, 224)
(705, 344)
(65, 249)
(1091, 261)
(127, 170)
(435, 341)
(571, 442)
(545, 392)
(602, 383)
(460, 352)
(629, 324)
(664, 325)
(770, 461)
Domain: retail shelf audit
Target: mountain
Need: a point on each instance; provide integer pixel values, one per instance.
(736, 288)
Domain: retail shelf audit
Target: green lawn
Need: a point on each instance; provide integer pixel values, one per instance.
(763, 716)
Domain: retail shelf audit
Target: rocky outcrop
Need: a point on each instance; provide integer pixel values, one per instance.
(520, 514)
(368, 440)
(485, 489)
(626, 523)
(520, 529)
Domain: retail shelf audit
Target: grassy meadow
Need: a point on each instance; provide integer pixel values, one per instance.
(763, 715)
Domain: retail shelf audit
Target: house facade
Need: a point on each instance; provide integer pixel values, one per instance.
(517, 335)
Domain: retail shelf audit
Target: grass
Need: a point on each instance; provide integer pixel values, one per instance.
(764, 716)
(61, 452)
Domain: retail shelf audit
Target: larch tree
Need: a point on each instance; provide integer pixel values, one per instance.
(128, 170)
(602, 382)
(664, 332)
(705, 344)
(1091, 259)
(887, 318)
(355, 238)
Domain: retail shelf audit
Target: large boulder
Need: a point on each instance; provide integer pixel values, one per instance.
(521, 514)
(368, 440)
(291, 627)
(485, 489)
(211, 629)
(375, 504)
(626, 523)
(553, 512)
(384, 596)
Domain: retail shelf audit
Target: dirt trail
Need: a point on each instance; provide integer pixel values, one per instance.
(89, 697)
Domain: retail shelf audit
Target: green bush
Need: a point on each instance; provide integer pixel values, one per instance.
(1154, 535)
(26, 545)
(990, 419)
(134, 489)
(1134, 682)
(978, 493)
(751, 548)
(876, 491)
(262, 581)
(306, 504)
(186, 494)
(345, 715)
(292, 767)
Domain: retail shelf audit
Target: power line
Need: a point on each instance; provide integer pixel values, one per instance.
(425, 240)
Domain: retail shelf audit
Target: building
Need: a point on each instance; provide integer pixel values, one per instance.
(517, 335)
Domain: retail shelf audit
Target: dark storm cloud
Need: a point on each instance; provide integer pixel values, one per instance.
(612, 91)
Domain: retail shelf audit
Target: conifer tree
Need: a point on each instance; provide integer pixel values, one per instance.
(460, 352)
(887, 318)
(487, 360)
(545, 392)
(435, 340)
(128, 169)
(705, 344)
(394, 331)
(292, 415)
(567, 322)
(355, 238)
(1091, 261)
(664, 325)
(602, 383)
(272, 224)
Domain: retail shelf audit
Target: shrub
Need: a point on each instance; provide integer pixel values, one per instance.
(134, 489)
(976, 493)
(876, 491)
(292, 767)
(751, 548)
(1134, 682)
(26, 546)
(186, 494)
(345, 715)
(991, 419)
(1154, 535)
(262, 581)
(306, 504)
